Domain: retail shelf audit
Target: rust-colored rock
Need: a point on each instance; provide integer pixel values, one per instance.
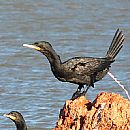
(108, 111)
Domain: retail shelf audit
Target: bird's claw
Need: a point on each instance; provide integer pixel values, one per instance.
(78, 94)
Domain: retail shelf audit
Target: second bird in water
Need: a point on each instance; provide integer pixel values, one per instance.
(18, 119)
(80, 70)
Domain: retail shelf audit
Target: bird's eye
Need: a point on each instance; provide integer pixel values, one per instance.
(11, 113)
(36, 43)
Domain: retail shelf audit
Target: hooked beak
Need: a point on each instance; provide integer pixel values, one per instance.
(10, 116)
(32, 46)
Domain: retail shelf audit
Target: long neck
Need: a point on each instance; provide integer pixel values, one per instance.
(21, 125)
(53, 58)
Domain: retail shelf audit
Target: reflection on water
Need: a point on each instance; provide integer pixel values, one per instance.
(75, 28)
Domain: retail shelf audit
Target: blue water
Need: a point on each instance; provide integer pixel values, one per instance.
(74, 28)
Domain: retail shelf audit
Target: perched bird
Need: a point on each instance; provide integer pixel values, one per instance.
(80, 70)
(18, 119)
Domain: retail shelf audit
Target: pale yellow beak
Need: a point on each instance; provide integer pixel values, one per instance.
(10, 116)
(32, 46)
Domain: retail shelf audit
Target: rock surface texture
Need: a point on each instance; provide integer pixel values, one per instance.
(108, 111)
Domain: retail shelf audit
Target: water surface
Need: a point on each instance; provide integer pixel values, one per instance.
(75, 28)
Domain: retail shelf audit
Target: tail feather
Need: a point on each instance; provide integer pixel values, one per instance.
(116, 45)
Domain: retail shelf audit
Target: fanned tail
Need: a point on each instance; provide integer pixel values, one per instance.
(116, 45)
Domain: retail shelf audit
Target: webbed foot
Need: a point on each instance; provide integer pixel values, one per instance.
(76, 95)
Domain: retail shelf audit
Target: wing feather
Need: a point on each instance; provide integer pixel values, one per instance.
(87, 66)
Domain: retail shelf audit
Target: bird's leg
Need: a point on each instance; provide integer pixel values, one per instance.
(91, 84)
(85, 91)
(83, 88)
(78, 92)
(80, 87)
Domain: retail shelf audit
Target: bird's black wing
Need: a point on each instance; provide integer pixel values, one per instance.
(87, 66)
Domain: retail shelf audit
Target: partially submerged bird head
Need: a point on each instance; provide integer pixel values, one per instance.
(18, 119)
(41, 46)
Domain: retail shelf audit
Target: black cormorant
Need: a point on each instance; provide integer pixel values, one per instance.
(80, 70)
(18, 119)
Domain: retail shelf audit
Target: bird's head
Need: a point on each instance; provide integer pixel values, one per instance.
(14, 116)
(41, 46)
(46, 49)
(18, 119)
